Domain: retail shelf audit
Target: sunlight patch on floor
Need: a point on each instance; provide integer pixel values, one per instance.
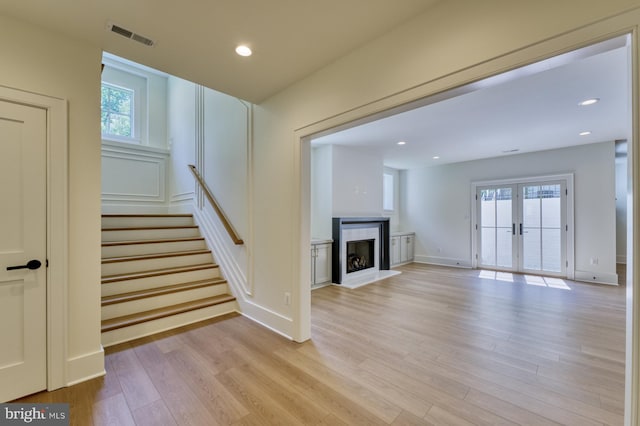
(497, 276)
(546, 282)
(533, 280)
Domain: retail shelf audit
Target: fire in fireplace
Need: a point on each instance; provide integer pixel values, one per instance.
(360, 255)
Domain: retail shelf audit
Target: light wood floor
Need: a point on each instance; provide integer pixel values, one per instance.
(433, 346)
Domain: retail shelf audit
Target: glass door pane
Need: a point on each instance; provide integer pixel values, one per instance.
(542, 237)
(496, 221)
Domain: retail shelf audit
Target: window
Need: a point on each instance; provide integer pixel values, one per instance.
(387, 192)
(117, 115)
(124, 113)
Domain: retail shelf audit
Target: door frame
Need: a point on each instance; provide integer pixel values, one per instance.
(626, 23)
(567, 178)
(57, 227)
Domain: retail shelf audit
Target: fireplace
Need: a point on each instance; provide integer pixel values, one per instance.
(360, 255)
(360, 248)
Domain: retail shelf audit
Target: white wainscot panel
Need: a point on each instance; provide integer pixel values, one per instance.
(133, 174)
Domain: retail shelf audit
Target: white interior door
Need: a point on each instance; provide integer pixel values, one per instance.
(523, 227)
(23, 354)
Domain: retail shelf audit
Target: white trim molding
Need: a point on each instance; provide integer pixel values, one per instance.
(443, 261)
(147, 165)
(85, 367)
(597, 278)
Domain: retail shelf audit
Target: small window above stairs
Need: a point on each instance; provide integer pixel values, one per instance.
(157, 274)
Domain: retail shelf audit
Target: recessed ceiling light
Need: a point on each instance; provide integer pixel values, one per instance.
(402, 143)
(243, 50)
(435, 157)
(588, 102)
(587, 133)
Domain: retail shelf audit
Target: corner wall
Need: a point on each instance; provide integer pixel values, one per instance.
(51, 64)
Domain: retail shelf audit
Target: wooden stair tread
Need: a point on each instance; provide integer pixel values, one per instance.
(156, 272)
(128, 320)
(160, 291)
(109, 215)
(150, 228)
(154, 256)
(168, 240)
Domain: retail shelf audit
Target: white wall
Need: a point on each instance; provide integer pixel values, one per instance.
(182, 142)
(356, 177)
(621, 209)
(356, 182)
(394, 216)
(226, 149)
(47, 63)
(345, 181)
(437, 205)
(321, 192)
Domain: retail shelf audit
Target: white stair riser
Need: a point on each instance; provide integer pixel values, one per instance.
(113, 337)
(151, 248)
(142, 305)
(149, 234)
(141, 222)
(138, 284)
(153, 264)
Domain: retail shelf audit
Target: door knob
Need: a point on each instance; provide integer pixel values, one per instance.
(32, 264)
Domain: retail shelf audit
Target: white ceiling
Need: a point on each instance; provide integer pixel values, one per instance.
(196, 39)
(531, 109)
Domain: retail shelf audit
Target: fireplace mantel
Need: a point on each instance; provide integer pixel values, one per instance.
(338, 248)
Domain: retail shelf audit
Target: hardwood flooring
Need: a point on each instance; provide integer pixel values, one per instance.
(432, 346)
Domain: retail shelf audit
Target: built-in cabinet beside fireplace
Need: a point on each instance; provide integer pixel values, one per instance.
(402, 247)
(320, 262)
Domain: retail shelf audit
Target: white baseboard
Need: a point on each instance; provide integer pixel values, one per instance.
(182, 207)
(596, 277)
(443, 261)
(272, 320)
(85, 367)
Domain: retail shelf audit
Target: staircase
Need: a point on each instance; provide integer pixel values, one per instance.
(157, 274)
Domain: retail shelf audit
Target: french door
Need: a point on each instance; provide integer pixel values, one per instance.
(522, 227)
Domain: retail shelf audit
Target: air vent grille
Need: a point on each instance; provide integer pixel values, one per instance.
(129, 34)
(123, 32)
(141, 39)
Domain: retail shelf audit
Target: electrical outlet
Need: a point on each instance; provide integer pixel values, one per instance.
(287, 298)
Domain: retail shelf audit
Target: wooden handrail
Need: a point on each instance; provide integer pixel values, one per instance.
(223, 218)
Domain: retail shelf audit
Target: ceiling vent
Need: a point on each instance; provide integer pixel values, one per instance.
(129, 34)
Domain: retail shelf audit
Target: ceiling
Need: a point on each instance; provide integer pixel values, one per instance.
(196, 39)
(530, 109)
